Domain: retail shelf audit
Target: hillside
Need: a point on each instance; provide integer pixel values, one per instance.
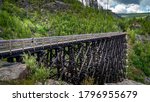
(38, 18)
(131, 15)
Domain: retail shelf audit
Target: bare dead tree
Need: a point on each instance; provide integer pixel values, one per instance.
(82, 1)
(1, 3)
(93, 3)
(26, 6)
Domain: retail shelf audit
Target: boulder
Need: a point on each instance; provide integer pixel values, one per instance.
(147, 80)
(56, 6)
(125, 82)
(12, 71)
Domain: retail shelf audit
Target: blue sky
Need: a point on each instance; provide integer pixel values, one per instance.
(126, 6)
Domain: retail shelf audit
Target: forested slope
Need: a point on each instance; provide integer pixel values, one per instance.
(38, 18)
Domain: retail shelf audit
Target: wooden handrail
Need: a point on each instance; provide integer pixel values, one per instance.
(10, 45)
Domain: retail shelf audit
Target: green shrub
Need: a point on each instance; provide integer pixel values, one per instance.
(41, 74)
(139, 51)
(13, 26)
(36, 72)
(132, 35)
(31, 63)
(88, 81)
(140, 57)
(135, 74)
(75, 20)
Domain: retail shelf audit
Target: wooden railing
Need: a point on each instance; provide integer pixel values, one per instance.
(24, 44)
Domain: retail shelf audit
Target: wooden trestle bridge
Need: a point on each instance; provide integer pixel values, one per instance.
(75, 58)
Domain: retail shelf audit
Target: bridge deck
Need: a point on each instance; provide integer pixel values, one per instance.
(7, 47)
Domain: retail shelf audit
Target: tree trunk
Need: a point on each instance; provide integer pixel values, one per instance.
(95, 4)
(1, 3)
(27, 6)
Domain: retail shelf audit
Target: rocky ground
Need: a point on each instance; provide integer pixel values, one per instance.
(126, 82)
(56, 6)
(53, 82)
(11, 71)
(18, 71)
(52, 6)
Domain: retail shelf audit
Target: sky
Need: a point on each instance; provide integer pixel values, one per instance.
(126, 6)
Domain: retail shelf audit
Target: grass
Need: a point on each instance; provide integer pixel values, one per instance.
(36, 72)
(15, 23)
(18, 82)
(132, 15)
(18, 22)
(88, 81)
(139, 58)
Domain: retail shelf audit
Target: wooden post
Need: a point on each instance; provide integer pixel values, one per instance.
(57, 54)
(62, 60)
(51, 57)
(10, 59)
(19, 59)
(40, 55)
(81, 56)
(71, 66)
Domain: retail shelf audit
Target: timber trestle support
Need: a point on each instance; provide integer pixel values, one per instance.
(101, 58)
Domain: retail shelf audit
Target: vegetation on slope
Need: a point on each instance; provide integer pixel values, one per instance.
(132, 15)
(139, 48)
(39, 18)
(44, 19)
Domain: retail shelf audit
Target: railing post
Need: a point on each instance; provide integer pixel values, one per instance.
(23, 45)
(10, 46)
(43, 42)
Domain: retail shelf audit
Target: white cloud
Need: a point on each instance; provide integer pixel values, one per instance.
(102, 3)
(124, 8)
(119, 8)
(133, 8)
(130, 8)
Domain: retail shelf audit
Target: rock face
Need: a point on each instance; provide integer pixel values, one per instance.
(56, 6)
(125, 82)
(12, 71)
